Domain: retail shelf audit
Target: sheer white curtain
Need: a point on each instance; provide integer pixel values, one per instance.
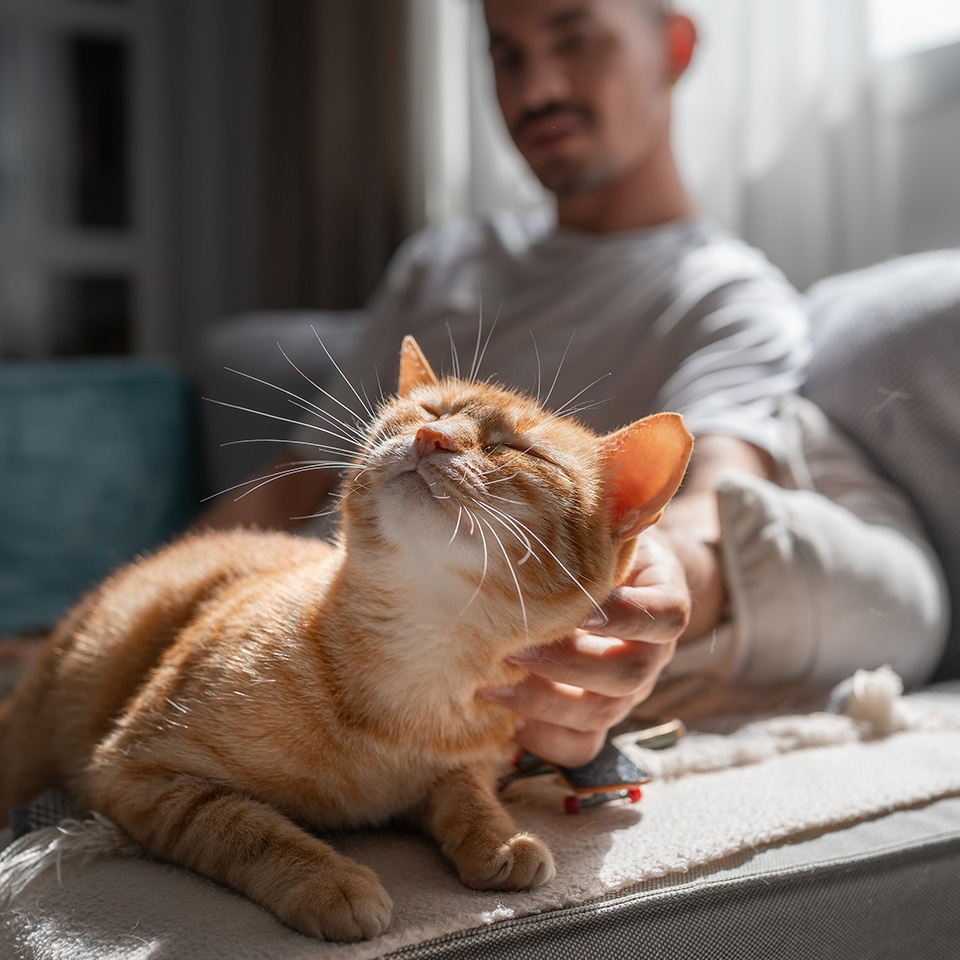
(462, 161)
(775, 130)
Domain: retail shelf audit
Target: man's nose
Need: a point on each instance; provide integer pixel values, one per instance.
(433, 437)
(543, 81)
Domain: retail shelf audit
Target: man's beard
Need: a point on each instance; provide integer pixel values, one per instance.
(563, 175)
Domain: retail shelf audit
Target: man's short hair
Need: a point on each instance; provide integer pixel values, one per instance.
(662, 8)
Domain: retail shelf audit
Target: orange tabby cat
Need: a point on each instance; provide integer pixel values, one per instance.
(220, 697)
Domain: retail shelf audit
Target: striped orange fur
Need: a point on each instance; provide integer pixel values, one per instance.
(221, 696)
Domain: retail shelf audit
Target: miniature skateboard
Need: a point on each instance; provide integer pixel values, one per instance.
(610, 776)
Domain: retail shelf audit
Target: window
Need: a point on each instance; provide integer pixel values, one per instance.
(899, 27)
(69, 237)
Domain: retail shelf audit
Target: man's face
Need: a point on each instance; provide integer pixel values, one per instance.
(582, 86)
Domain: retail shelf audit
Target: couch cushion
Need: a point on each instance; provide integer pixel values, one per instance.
(97, 466)
(886, 368)
(788, 837)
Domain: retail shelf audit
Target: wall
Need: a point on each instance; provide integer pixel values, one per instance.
(919, 129)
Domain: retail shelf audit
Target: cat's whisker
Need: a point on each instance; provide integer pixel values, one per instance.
(558, 561)
(563, 411)
(513, 573)
(273, 416)
(360, 420)
(326, 448)
(259, 482)
(479, 352)
(486, 344)
(322, 515)
(501, 466)
(454, 356)
(508, 523)
(637, 606)
(351, 433)
(490, 483)
(346, 379)
(339, 464)
(483, 572)
(368, 405)
(556, 377)
(338, 500)
(457, 527)
(274, 386)
(581, 407)
(536, 351)
(493, 496)
(476, 350)
(302, 403)
(355, 482)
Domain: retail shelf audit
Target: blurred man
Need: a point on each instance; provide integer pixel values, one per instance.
(623, 289)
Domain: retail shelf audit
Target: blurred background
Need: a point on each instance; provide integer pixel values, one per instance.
(184, 183)
(167, 163)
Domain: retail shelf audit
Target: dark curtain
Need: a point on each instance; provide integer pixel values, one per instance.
(334, 169)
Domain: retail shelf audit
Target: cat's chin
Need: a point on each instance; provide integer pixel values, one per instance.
(414, 509)
(413, 488)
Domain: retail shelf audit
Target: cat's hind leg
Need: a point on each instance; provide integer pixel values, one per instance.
(465, 816)
(247, 845)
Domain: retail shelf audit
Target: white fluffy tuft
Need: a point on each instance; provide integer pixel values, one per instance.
(874, 699)
(31, 856)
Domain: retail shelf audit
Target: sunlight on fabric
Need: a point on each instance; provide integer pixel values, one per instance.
(899, 28)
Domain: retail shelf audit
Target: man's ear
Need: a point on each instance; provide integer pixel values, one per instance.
(645, 463)
(681, 34)
(414, 369)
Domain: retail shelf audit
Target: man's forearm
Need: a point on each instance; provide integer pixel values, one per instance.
(691, 525)
(708, 593)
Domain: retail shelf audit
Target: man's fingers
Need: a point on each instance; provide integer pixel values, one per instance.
(603, 665)
(580, 686)
(566, 748)
(564, 706)
(654, 614)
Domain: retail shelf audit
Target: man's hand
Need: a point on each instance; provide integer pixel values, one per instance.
(586, 683)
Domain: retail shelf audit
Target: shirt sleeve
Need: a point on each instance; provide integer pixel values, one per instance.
(741, 343)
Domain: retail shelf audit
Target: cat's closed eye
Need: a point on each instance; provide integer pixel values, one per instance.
(518, 446)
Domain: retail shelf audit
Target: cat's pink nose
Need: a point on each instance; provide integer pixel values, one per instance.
(431, 438)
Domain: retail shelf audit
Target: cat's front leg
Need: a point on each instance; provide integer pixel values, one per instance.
(465, 816)
(247, 845)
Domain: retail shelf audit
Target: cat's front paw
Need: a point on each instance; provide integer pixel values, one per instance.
(343, 904)
(520, 863)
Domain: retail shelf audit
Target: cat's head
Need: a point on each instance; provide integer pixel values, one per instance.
(498, 504)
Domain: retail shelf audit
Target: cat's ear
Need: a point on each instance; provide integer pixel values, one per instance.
(645, 463)
(414, 369)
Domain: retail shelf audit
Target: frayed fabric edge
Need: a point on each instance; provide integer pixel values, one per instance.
(868, 706)
(35, 854)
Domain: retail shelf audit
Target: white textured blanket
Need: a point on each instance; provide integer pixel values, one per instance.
(83, 892)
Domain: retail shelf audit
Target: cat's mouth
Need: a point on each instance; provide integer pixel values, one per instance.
(414, 480)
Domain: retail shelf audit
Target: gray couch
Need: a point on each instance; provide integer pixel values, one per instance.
(883, 885)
